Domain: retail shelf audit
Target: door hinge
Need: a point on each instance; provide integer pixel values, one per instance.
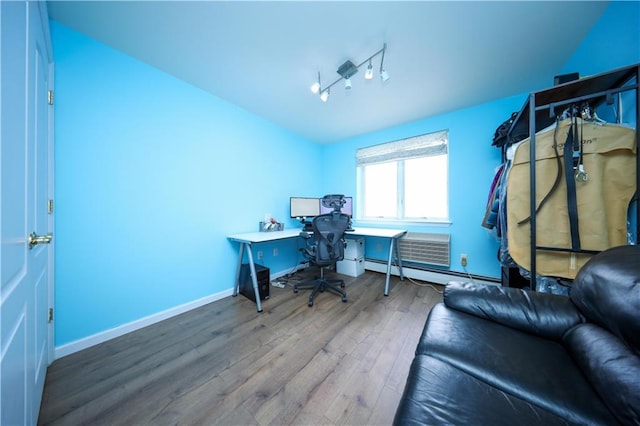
(50, 206)
(50, 314)
(50, 97)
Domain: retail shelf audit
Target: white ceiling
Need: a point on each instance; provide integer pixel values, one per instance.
(264, 55)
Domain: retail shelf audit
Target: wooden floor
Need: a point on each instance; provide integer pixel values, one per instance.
(224, 363)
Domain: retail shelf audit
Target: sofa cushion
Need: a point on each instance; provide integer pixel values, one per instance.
(546, 315)
(611, 367)
(607, 292)
(437, 393)
(538, 370)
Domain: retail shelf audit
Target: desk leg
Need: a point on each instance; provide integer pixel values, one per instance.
(399, 260)
(389, 261)
(236, 285)
(254, 278)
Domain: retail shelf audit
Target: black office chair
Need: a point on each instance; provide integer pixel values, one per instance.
(327, 247)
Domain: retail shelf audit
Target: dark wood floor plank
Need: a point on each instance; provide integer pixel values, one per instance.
(384, 408)
(224, 363)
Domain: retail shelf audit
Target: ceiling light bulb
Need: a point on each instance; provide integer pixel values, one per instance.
(324, 96)
(368, 74)
(315, 88)
(384, 76)
(347, 84)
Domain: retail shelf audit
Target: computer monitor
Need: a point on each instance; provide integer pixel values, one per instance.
(304, 207)
(347, 208)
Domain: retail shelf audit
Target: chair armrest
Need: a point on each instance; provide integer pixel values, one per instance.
(543, 314)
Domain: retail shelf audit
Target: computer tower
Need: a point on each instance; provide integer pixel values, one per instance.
(246, 284)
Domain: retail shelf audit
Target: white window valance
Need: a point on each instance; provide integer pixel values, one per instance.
(403, 149)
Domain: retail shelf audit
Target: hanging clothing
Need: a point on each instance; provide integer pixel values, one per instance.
(604, 181)
(490, 219)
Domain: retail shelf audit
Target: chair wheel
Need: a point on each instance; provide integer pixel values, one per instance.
(295, 290)
(344, 299)
(310, 303)
(341, 285)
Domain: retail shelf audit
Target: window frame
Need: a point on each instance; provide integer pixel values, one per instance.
(429, 144)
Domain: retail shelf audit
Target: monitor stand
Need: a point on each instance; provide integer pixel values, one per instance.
(306, 226)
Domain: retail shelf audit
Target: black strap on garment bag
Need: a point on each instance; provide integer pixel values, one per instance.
(556, 182)
(569, 165)
(571, 146)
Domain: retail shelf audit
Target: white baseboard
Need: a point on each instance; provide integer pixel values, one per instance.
(442, 278)
(103, 336)
(86, 342)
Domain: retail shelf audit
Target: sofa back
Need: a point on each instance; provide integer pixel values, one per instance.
(607, 292)
(607, 348)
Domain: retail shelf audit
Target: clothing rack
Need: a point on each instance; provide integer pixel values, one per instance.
(540, 111)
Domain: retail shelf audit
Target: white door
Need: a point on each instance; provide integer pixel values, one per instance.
(26, 169)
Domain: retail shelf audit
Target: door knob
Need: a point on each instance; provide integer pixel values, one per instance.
(39, 239)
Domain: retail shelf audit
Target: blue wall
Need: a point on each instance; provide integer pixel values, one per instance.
(613, 42)
(152, 174)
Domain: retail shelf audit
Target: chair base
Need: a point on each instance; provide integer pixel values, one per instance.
(321, 284)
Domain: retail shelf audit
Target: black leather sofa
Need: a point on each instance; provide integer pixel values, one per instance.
(494, 355)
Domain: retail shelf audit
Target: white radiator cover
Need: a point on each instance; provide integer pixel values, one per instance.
(427, 248)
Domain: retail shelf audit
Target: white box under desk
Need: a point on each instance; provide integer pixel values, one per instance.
(353, 263)
(351, 267)
(354, 248)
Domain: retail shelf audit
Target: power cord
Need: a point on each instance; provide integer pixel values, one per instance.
(428, 285)
(464, 268)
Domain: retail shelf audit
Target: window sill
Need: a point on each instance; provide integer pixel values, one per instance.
(395, 222)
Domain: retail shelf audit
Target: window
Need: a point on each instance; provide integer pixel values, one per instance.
(405, 180)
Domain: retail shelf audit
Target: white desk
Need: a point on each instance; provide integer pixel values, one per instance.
(248, 238)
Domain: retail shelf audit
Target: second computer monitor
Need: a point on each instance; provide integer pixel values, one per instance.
(347, 208)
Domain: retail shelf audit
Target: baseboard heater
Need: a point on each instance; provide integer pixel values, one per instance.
(427, 274)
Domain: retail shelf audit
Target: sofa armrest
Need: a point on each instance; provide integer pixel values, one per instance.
(543, 314)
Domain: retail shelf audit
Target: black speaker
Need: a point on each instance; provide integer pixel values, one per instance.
(246, 284)
(565, 78)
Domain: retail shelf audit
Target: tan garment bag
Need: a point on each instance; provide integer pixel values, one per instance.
(603, 199)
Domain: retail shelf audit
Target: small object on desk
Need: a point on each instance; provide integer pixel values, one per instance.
(277, 284)
(271, 225)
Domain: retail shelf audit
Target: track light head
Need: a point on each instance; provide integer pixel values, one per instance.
(384, 76)
(368, 74)
(315, 88)
(347, 84)
(324, 96)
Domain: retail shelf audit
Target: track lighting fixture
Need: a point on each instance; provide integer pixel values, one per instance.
(347, 70)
